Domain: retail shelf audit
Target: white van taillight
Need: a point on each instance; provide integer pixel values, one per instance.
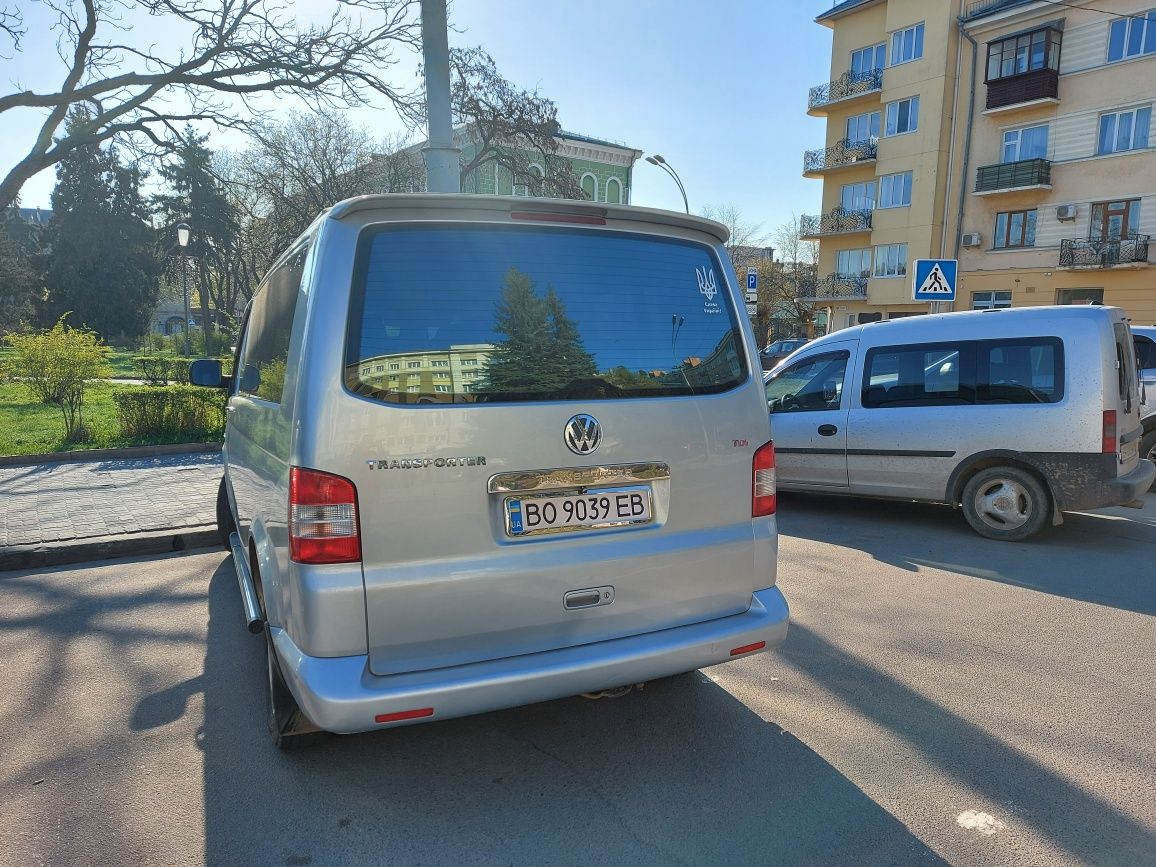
(763, 499)
(1109, 437)
(322, 518)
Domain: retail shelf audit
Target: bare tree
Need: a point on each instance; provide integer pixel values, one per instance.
(399, 168)
(747, 242)
(798, 260)
(234, 50)
(513, 128)
(12, 26)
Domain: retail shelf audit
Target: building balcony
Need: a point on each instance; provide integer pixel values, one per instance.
(1024, 90)
(847, 88)
(986, 7)
(1009, 177)
(1084, 253)
(833, 287)
(841, 155)
(836, 222)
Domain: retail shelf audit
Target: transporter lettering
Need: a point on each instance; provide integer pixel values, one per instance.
(423, 463)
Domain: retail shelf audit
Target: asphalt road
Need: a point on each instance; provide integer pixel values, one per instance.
(940, 698)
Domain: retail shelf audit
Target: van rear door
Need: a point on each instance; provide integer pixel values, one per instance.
(1129, 430)
(555, 428)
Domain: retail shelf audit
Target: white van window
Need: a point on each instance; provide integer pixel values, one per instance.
(814, 383)
(266, 344)
(1017, 370)
(541, 313)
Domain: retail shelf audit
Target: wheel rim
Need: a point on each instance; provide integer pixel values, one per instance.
(1004, 504)
(1151, 453)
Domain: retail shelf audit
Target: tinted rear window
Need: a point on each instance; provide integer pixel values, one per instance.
(470, 313)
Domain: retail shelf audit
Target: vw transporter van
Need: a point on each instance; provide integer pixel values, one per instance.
(486, 451)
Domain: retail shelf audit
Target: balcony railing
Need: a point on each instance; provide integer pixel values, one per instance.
(1009, 176)
(1090, 253)
(836, 222)
(833, 287)
(1025, 87)
(847, 85)
(986, 7)
(842, 153)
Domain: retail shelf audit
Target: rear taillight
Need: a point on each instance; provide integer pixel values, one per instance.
(763, 498)
(1108, 443)
(322, 518)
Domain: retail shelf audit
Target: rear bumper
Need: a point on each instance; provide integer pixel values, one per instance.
(341, 695)
(1114, 491)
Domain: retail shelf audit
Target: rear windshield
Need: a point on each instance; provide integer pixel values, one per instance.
(472, 313)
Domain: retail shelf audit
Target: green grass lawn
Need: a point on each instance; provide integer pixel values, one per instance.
(119, 361)
(28, 427)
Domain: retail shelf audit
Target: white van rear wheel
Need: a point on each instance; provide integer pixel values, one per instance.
(1005, 503)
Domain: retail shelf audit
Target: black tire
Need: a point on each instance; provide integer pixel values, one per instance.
(1006, 503)
(1148, 449)
(225, 522)
(289, 728)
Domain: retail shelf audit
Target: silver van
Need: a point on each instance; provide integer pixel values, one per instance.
(1144, 340)
(1015, 416)
(488, 451)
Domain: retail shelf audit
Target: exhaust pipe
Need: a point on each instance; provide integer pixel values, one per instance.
(254, 620)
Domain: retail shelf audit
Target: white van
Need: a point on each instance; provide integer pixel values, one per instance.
(1016, 415)
(487, 451)
(1144, 339)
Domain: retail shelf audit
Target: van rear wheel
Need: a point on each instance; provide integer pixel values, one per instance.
(1148, 448)
(225, 522)
(1005, 503)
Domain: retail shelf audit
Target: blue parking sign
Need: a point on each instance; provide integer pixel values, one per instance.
(752, 279)
(935, 279)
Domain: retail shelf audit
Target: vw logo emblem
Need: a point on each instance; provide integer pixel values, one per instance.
(583, 433)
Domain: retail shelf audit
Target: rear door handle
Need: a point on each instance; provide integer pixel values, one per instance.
(827, 430)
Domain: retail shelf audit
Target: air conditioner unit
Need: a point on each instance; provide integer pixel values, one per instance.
(1066, 212)
(971, 239)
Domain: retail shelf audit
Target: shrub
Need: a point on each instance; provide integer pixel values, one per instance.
(55, 365)
(171, 412)
(153, 369)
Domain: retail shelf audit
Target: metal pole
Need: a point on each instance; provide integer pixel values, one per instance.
(442, 159)
(185, 289)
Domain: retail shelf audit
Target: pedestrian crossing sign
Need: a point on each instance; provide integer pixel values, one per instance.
(935, 279)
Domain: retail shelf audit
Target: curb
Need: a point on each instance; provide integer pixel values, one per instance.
(107, 547)
(82, 455)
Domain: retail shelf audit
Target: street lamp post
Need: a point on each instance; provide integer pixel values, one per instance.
(657, 160)
(183, 242)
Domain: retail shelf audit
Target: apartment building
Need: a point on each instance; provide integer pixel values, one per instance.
(889, 145)
(1060, 169)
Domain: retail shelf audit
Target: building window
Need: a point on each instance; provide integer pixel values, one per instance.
(853, 263)
(867, 60)
(395, 365)
(380, 368)
(365, 371)
(413, 389)
(907, 44)
(858, 197)
(1029, 143)
(413, 365)
(614, 191)
(1113, 220)
(1015, 229)
(469, 362)
(895, 190)
(590, 187)
(1026, 52)
(441, 389)
(1079, 296)
(994, 300)
(440, 362)
(863, 127)
(902, 116)
(1131, 37)
(890, 260)
(1124, 130)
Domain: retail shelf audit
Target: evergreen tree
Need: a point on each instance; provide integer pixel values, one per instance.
(542, 353)
(198, 199)
(19, 283)
(101, 260)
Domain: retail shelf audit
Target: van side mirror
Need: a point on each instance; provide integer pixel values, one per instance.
(250, 379)
(206, 372)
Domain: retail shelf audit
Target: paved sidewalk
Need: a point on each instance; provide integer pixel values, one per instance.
(56, 513)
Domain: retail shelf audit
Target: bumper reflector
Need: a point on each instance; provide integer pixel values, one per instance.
(404, 714)
(748, 648)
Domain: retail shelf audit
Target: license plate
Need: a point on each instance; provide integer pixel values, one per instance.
(618, 507)
(1129, 451)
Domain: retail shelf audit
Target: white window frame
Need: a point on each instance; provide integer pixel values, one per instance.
(867, 196)
(1134, 126)
(988, 299)
(860, 254)
(1018, 134)
(891, 121)
(582, 184)
(887, 185)
(886, 272)
(866, 117)
(899, 57)
(395, 365)
(873, 51)
(1144, 23)
(617, 183)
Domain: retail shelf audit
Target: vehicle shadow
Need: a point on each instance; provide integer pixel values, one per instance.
(679, 773)
(1070, 560)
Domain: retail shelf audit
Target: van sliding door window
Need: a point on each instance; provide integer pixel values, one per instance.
(932, 374)
(480, 314)
(266, 346)
(1026, 370)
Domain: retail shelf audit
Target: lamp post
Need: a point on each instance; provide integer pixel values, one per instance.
(183, 242)
(657, 160)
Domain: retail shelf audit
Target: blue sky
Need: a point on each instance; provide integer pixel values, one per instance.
(719, 89)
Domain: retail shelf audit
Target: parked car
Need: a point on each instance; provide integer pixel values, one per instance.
(1015, 416)
(487, 451)
(780, 349)
(1144, 339)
